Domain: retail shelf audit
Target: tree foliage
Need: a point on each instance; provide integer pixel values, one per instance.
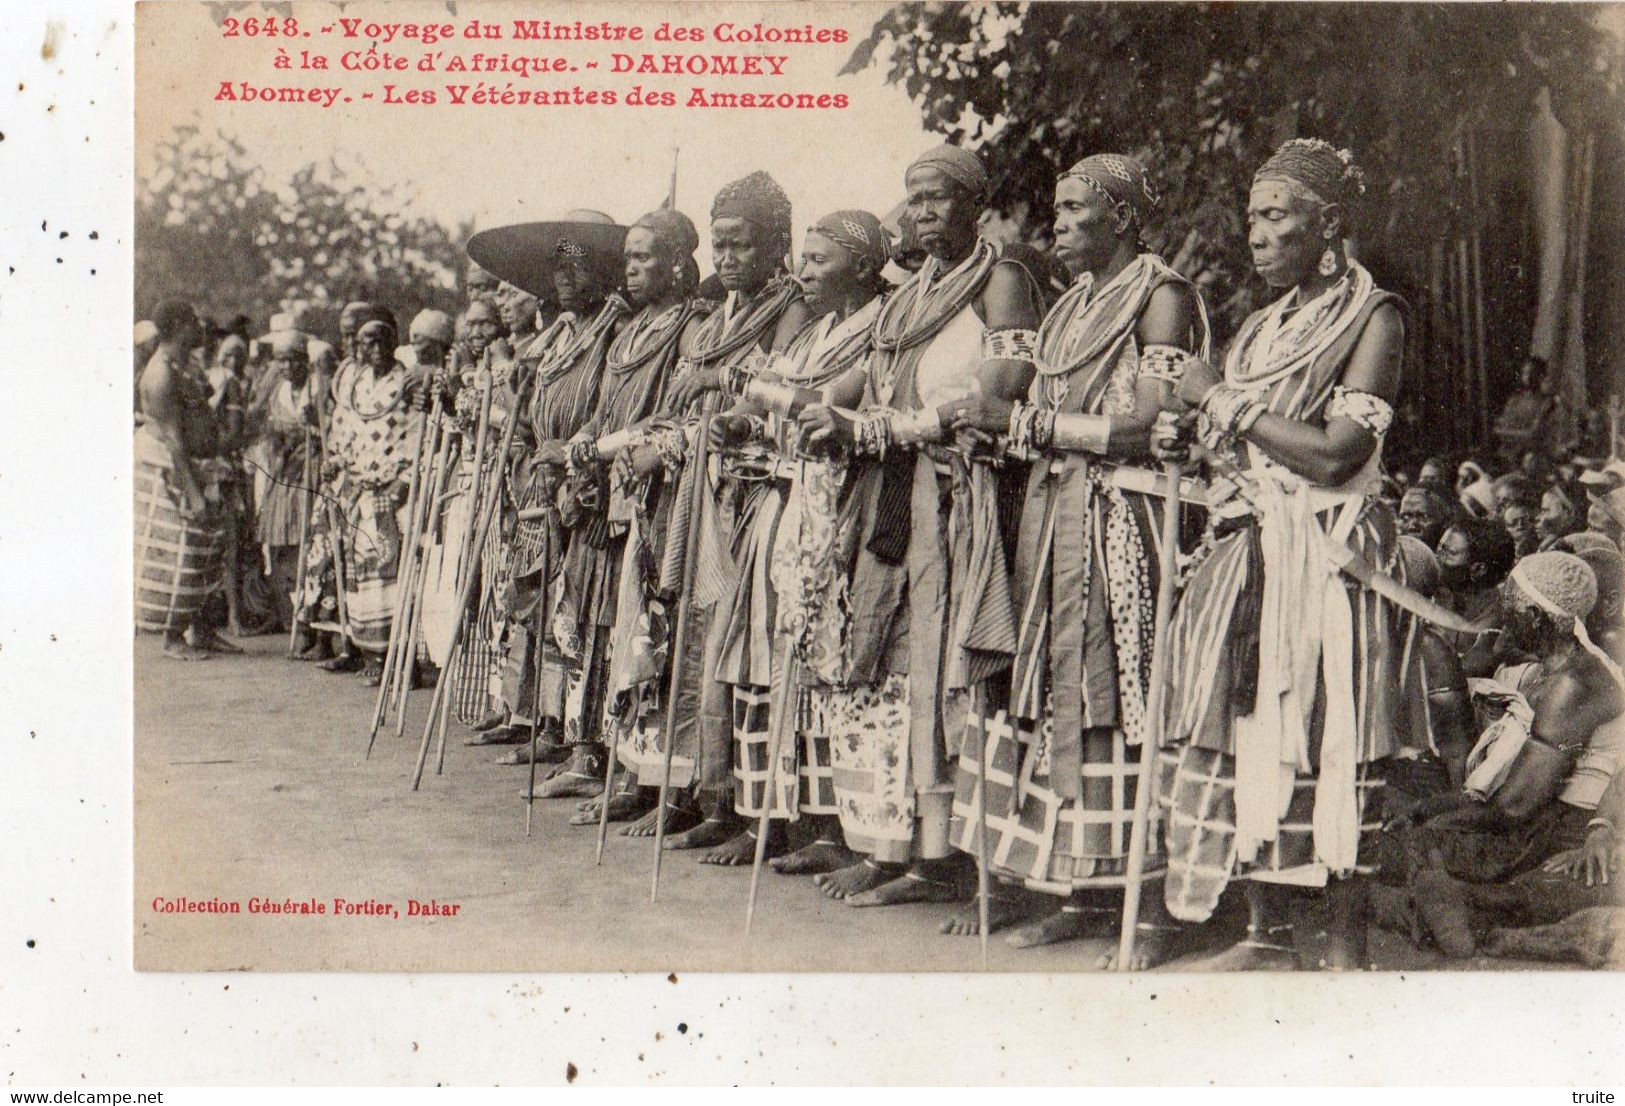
(210, 228)
(1203, 93)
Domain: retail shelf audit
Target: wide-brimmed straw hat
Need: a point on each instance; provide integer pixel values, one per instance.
(525, 254)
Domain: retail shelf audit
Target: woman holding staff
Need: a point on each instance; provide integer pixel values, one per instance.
(1063, 758)
(932, 617)
(1283, 673)
(601, 517)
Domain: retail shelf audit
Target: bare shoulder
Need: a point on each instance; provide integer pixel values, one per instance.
(1009, 298)
(1169, 317)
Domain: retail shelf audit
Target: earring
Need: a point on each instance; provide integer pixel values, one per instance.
(1328, 263)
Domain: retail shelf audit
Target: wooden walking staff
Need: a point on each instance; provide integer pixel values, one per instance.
(431, 515)
(1151, 742)
(403, 557)
(541, 650)
(490, 513)
(479, 529)
(679, 642)
(300, 571)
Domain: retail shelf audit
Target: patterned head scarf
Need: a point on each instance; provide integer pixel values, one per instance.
(676, 234)
(1121, 180)
(1587, 541)
(1316, 168)
(959, 165)
(859, 232)
(758, 199)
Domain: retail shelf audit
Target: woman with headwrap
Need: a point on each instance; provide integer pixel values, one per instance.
(932, 617)
(604, 661)
(750, 238)
(286, 425)
(1108, 354)
(1282, 676)
(574, 260)
(793, 561)
(1550, 747)
(375, 424)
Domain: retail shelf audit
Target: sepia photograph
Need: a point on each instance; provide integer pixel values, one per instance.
(841, 487)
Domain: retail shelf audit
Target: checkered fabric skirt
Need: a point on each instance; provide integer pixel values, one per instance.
(177, 561)
(806, 777)
(1198, 794)
(1036, 836)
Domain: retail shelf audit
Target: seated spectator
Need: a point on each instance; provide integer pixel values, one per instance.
(1475, 489)
(1424, 513)
(1603, 557)
(1534, 915)
(1562, 512)
(1547, 752)
(1474, 555)
(1436, 722)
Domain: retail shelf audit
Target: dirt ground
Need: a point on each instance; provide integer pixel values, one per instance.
(251, 783)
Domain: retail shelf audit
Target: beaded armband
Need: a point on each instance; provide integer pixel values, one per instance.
(671, 446)
(872, 433)
(1370, 411)
(1158, 362)
(1013, 344)
(580, 454)
(1230, 411)
(1031, 429)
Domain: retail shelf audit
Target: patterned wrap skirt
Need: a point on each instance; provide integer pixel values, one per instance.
(177, 559)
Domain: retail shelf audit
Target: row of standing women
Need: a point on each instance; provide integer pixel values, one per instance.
(911, 542)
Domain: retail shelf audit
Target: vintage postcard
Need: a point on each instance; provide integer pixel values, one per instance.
(863, 487)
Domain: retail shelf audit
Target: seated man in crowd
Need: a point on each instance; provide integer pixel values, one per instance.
(1539, 769)
(1475, 555)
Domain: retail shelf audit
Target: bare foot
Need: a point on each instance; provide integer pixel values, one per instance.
(810, 860)
(1152, 946)
(623, 805)
(741, 849)
(490, 721)
(546, 753)
(567, 785)
(1070, 923)
(500, 735)
(677, 819)
(180, 651)
(345, 662)
(906, 888)
(315, 652)
(708, 834)
(213, 642)
(1002, 911)
(372, 675)
(856, 879)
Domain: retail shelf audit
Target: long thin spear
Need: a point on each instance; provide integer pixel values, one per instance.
(679, 644)
(541, 650)
(480, 523)
(304, 540)
(386, 677)
(415, 612)
(1152, 741)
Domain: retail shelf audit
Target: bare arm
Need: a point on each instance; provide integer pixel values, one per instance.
(160, 401)
(1330, 455)
(1008, 301)
(1169, 319)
